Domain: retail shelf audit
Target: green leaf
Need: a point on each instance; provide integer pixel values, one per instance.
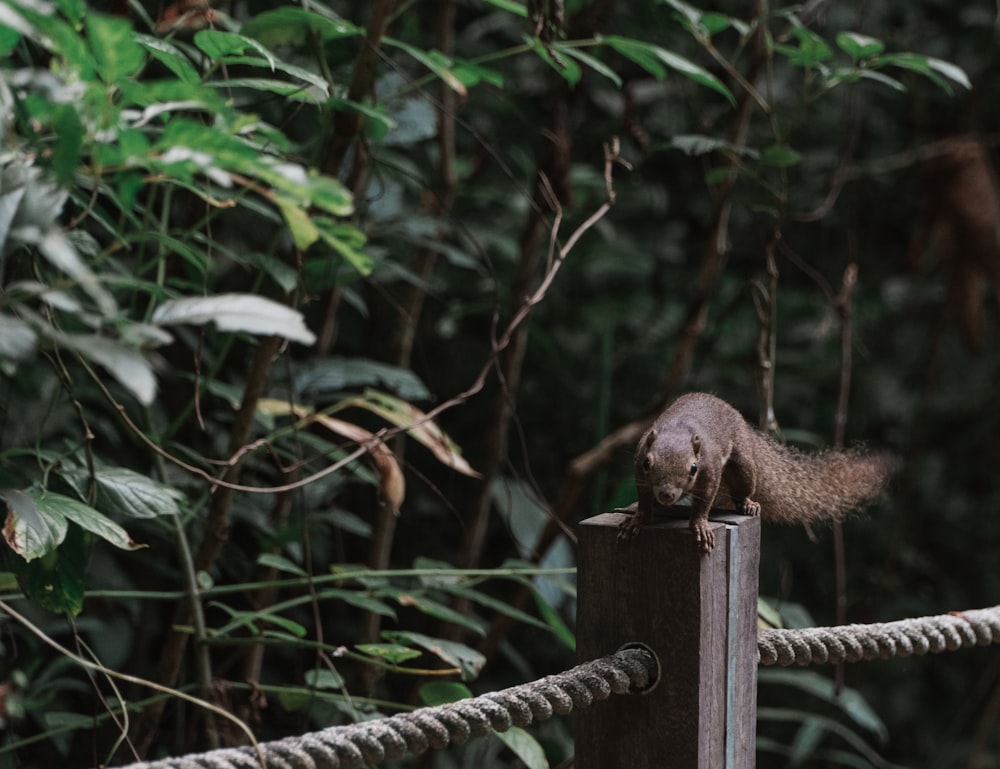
(848, 700)
(859, 46)
(322, 376)
(812, 50)
(496, 604)
(343, 238)
(55, 506)
(17, 340)
(359, 600)
(510, 6)
(69, 144)
(9, 38)
(589, 61)
(470, 73)
(294, 26)
(649, 57)
(638, 53)
(567, 69)
(697, 144)
(443, 692)
(377, 123)
(126, 364)
(435, 61)
(290, 90)
(717, 22)
(53, 34)
(73, 10)
(434, 609)
(236, 312)
(215, 43)
(458, 655)
(331, 196)
(166, 97)
(525, 747)
(951, 71)
(391, 653)
(320, 86)
(303, 229)
(27, 531)
(279, 562)
(777, 156)
(115, 49)
(554, 621)
(324, 679)
(37, 523)
(878, 77)
(170, 56)
(936, 70)
(126, 492)
(251, 619)
(56, 581)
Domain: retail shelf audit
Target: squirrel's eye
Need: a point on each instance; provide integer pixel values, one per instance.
(694, 468)
(647, 463)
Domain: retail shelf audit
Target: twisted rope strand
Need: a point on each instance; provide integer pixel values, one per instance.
(854, 643)
(372, 742)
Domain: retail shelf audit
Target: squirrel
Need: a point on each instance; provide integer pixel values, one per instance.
(703, 447)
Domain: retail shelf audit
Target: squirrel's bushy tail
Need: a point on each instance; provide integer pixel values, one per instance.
(795, 487)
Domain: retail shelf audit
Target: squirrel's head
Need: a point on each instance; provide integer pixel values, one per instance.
(667, 464)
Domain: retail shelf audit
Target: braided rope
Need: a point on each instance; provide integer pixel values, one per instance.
(854, 643)
(628, 671)
(372, 742)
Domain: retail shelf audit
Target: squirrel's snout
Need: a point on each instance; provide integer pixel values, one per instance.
(666, 497)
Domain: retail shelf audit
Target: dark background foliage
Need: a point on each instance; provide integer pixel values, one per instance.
(890, 171)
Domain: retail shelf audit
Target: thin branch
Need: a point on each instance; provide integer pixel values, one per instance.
(97, 667)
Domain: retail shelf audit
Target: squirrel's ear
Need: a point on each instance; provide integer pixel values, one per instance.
(696, 443)
(648, 438)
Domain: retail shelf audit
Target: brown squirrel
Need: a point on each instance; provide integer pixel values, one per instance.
(702, 446)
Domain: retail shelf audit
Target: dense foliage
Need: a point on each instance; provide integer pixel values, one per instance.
(322, 323)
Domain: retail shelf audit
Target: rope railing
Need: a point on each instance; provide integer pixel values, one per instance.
(372, 742)
(629, 670)
(883, 640)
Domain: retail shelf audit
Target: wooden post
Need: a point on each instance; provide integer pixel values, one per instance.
(698, 614)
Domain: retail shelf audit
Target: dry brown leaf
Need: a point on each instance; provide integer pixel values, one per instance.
(392, 485)
(425, 431)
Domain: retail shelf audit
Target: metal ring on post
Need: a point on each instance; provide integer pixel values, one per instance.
(659, 666)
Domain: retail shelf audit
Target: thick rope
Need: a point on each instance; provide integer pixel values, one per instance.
(854, 643)
(372, 742)
(628, 671)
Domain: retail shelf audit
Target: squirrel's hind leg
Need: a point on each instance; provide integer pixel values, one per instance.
(742, 483)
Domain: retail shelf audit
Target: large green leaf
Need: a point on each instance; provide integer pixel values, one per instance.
(525, 747)
(29, 532)
(55, 505)
(653, 58)
(236, 312)
(37, 522)
(116, 51)
(125, 363)
(126, 492)
(57, 580)
(294, 26)
(170, 56)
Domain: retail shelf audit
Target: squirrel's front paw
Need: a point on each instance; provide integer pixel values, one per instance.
(748, 507)
(704, 537)
(628, 528)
